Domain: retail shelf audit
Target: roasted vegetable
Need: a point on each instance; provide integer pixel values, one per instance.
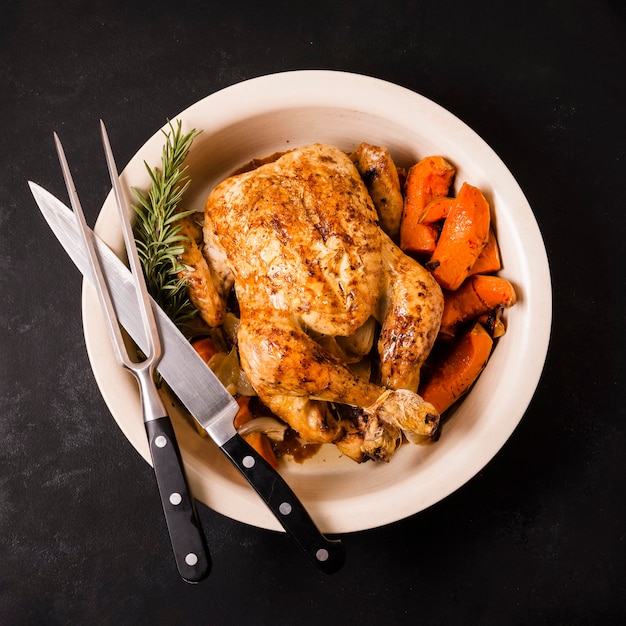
(463, 237)
(477, 295)
(436, 210)
(493, 323)
(257, 440)
(419, 240)
(489, 260)
(205, 347)
(427, 180)
(453, 377)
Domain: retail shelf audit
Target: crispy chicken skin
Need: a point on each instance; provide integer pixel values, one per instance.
(379, 173)
(201, 284)
(301, 240)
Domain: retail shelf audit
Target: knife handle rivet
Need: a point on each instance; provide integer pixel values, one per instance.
(248, 462)
(191, 559)
(322, 554)
(176, 498)
(160, 441)
(285, 508)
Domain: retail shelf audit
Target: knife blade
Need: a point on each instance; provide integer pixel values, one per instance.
(185, 373)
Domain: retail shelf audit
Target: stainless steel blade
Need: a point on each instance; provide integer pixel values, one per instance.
(180, 365)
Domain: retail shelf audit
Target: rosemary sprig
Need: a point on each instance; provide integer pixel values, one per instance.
(157, 232)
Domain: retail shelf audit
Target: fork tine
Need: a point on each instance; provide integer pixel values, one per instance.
(94, 263)
(150, 326)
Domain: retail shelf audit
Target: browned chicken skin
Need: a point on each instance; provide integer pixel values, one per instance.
(300, 238)
(202, 288)
(379, 173)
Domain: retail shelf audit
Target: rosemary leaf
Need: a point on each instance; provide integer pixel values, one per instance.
(157, 232)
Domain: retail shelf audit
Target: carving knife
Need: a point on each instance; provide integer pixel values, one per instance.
(185, 372)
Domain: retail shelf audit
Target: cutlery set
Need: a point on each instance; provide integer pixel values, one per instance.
(125, 302)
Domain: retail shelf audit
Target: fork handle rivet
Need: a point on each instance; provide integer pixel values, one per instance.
(322, 555)
(160, 441)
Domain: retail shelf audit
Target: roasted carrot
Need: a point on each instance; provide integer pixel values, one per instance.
(244, 415)
(488, 260)
(463, 237)
(436, 210)
(205, 347)
(477, 295)
(419, 239)
(459, 369)
(428, 179)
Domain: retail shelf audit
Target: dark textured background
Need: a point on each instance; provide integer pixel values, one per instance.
(536, 538)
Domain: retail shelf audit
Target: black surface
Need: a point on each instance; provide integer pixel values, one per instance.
(538, 537)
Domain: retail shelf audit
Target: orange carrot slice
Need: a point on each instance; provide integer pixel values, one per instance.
(463, 237)
(459, 370)
(436, 210)
(488, 260)
(477, 295)
(419, 239)
(428, 179)
(205, 347)
(244, 415)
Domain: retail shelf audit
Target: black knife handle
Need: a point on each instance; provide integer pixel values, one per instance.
(327, 555)
(190, 552)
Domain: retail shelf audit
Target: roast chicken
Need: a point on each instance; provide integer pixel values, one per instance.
(316, 279)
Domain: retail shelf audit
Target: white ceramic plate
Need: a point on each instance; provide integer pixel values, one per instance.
(281, 111)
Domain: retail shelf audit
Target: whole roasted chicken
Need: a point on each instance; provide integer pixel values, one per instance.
(316, 279)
